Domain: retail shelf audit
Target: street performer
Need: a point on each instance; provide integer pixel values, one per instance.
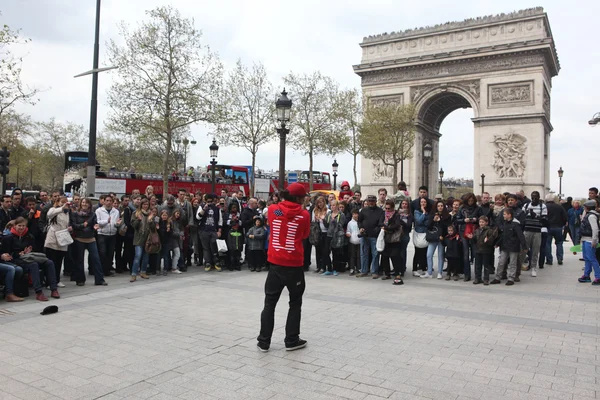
(290, 225)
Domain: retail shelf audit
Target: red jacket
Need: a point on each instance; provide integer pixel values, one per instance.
(345, 191)
(290, 225)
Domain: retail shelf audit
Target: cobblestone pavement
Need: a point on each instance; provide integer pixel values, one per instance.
(193, 337)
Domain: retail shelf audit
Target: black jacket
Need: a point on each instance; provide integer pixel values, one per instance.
(518, 214)
(371, 220)
(557, 216)
(442, 224)
(247, 218)
(13, 245)
(488, 211)
(77, 220)
(512, 238)
(467, 211)
(453, 247)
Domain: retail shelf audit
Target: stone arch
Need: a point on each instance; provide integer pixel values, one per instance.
(500, 66)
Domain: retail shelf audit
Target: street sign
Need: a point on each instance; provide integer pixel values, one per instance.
(292, 177)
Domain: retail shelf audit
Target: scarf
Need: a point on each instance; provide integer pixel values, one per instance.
(14, 232)
(388, 215)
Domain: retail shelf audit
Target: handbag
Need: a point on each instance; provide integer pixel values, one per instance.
(314, 236)
(419, 240)
(34, 257)
(221, 246)
(122, 229)
(63, 237)
(380, 244)
(433, 234)
(153, 245)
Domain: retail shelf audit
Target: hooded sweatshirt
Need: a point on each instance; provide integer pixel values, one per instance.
(344, 192)
(290, 225)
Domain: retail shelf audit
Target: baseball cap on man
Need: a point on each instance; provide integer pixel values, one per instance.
(296, 190)
(371, 197)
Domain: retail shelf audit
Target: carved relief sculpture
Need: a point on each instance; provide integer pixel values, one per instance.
(396, 100)
(546, 102)
(381, 171)
(510, 155)
(510, 94)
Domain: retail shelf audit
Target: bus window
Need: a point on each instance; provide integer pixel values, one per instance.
(240, 177)
(326, 179)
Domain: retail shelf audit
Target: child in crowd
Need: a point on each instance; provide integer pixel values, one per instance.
(511, 245)
(178, 233)
(352, 232)
(235, 244)
(485, 238)
(453, 253)
(256, 244)
(167, 241)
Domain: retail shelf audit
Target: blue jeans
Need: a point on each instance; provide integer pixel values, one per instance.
(93, 257)
(140, 256)
(33, 269)
(366, 244)
(165, 255)
(557, 235)
(431, 247)
(575, 236)
(591, 262)
(10, 273)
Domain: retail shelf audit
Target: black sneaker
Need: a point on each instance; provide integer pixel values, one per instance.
(300, 344)
(548, 263)
(495, 282)
(560, 262)
(517, 279)
(509, 283)
(262, 346)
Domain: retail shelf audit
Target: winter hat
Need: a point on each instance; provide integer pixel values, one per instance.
(296, 190)
(49, 310)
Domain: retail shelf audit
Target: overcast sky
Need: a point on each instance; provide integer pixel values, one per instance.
(303, 36)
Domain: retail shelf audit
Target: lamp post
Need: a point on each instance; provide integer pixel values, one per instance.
(30, 174)
(283, 105)
(334, 168)
(482, 183)
(427, 157)
(186, 142)
(560, 175)
(91, 164)
(214, 152)
(441, 181)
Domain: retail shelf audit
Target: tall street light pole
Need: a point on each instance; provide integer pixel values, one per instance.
(560, 176)
(214, 152)
(283, 105)
(334, 168)
(427, 157)
(441, 181)
(482, 183)
(91, 167)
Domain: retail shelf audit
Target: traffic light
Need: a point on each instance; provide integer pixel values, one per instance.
(4, 161)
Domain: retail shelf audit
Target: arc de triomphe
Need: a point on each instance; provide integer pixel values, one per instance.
(500, 66)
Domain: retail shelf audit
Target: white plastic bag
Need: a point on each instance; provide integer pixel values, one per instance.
(63, 237)
(222, 246)
(380, 245)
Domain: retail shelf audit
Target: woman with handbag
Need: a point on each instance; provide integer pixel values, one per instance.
(58, 236)
(319, 215)
(421, 218)
(336, 238)
(140, 221)
(392, 226)
(468, 220)
(84, 225)
(437, 226)
(17, 249)
(406, 220)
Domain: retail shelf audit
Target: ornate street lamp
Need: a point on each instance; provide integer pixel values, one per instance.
(186, 142)
(334, 168)
(441, 181)
(427, 157)
(283, 105)
(595, 119)
(560, 176)
(214, 152)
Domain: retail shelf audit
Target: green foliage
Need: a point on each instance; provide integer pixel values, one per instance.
(387, 133)
(316, 126)
(167, 80)
(350, 104)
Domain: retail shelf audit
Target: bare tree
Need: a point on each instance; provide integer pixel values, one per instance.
(316, 122)
(351, 108)
(167, 80)
(387, 133)
(247, 118)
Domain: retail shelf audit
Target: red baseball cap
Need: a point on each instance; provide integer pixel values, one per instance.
(297, 190)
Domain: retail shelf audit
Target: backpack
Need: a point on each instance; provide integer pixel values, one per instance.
(314, 236)
(153, 245)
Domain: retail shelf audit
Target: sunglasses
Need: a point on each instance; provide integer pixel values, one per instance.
(388, 209)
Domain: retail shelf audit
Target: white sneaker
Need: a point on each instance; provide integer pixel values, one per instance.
(60, 284)
(175, 271)
(439, 276)
(417, 274)
(533, 273)
(426, 276)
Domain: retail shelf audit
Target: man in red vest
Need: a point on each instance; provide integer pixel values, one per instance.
(290, 225)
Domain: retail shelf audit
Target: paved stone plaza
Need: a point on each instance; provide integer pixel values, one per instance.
(193, 337)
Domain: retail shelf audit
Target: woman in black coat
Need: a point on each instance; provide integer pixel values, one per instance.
(393, 227)
(437, 227)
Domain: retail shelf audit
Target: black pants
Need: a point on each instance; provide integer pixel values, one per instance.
(279, 278)
(70, 258)
(256, 258)
(307, 253)
(484, 266)
(119, 252)
(128, 254)
(455, 266)
(106, 251)
(420, 259)
(57, 257)
(354, 257)
(322, 250)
